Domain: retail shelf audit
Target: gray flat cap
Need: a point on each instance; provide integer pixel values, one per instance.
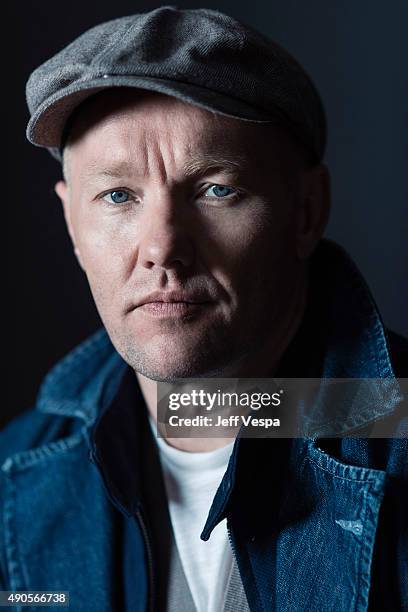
(201, 56)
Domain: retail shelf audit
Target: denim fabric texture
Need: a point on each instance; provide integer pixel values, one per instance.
(316, 524)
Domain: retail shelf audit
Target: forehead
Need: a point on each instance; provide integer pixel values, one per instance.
(125, 125)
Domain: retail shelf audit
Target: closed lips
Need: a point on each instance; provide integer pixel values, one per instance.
(182, 297)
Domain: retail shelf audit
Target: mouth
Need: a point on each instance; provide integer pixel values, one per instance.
(172, 309)
(173, 304)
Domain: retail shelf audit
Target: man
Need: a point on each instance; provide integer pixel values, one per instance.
(196, 199)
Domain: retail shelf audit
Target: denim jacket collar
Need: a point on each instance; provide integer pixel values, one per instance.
(84, 383)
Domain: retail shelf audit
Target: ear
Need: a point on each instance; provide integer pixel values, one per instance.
(62, 191)
(314, 209)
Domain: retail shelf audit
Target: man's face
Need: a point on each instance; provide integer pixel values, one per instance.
(165, 197)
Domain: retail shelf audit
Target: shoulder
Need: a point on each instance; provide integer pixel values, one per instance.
(68, 402)
(30, 430)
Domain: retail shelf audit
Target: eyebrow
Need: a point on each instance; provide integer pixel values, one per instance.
(117, 170)
(193, 167)
(202, 164)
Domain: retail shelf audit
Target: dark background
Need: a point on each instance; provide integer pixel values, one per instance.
(355, 52)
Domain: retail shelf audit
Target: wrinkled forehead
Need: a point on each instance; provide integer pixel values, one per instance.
(123, 124)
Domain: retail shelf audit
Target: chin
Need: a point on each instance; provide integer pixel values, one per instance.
(176, 365)
(164, 375)
(165, 372)
(167, 357)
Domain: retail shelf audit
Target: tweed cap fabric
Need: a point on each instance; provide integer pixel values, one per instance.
(201, 56)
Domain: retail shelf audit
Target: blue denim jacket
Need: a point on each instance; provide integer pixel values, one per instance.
(315, 524)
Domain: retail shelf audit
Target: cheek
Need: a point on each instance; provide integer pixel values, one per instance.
(253, 249)
(106, 247)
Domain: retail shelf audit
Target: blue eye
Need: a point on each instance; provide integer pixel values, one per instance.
(220, 191)
(117, 197)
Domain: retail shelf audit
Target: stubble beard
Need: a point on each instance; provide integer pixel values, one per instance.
(216, 355)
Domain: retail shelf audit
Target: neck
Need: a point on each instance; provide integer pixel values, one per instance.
(261, 365)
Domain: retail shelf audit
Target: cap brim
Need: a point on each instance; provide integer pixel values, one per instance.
(46, 126)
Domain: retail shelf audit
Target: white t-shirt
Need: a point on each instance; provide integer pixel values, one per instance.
(191, 481)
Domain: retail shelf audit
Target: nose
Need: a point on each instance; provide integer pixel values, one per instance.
(166, 241)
